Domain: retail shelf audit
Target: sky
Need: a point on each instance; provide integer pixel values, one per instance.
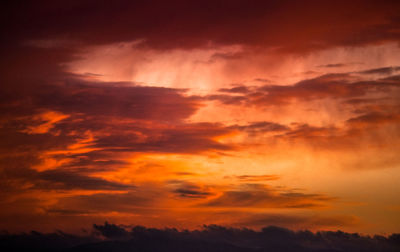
(190, 113)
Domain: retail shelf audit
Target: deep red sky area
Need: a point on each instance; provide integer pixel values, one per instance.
(184, 113)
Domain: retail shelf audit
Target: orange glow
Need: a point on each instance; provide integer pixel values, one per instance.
(253, 119)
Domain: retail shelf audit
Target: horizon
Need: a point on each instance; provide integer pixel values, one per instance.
(100, 230)
(111, 237)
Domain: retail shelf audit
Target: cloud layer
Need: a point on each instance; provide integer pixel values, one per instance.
(188, 113)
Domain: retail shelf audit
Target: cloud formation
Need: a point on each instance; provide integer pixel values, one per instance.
(281, 107)
(259, 196)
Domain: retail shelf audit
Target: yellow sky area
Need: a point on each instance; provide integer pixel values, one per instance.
(359, 192)
(362, 182)
(358, 195)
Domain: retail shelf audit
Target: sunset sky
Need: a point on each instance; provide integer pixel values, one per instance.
(185, 113)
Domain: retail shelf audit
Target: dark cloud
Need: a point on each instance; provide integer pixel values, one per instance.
(111, 231)
(17, 172)
(180, 138)
(199, 24)
(227, 99)
(35, 241)
(262, 80)
(260, 196)
(189, 190)
(326, 86)
(382, 70)
(116, 113)
(238, 89)
(330, 86)
(306, 131)
(366, 127)
(293, 221)
(36, 79)
(110, 118)
(261, 127)
(210, 238)
(227, 56)
(333, 65)
(394, 79)
(373, 119)
(140, 200)
(16, 141)
(115, 99)
(61, 179)
(94, 161)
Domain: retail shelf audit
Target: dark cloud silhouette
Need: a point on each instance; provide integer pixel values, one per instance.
(111, 231)
(35, 241)
(293, 221)
(111, 237)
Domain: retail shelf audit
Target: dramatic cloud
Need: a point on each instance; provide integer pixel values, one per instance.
(182, 113)
(331, 86)
(111, 99)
